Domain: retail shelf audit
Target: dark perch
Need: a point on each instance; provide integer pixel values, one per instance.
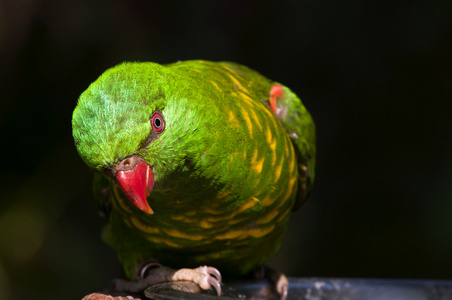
(320, 289)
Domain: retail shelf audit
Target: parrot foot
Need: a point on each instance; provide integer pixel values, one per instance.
(203, 276)
(278, 280)
(154, 273)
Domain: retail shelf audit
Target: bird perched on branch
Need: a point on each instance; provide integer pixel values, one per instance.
(198, 163)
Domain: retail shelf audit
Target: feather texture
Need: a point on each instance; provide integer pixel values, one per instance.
(228, 171)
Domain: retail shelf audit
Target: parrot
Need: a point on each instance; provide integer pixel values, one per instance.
(197, 166)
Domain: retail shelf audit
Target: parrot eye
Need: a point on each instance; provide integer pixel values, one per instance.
(158, 124)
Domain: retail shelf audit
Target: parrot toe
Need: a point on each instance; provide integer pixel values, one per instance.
(204, 276)
(282, 286)
(154, 273)
(278, 280)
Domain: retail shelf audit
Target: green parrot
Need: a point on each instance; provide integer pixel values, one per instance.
(198, 163)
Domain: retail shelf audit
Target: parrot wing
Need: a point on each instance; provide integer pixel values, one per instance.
(295, 119)
(300, 127)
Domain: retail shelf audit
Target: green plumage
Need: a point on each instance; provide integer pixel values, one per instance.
(227, 170)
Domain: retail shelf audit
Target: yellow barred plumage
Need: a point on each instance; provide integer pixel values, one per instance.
(225, 223)
(169, 236)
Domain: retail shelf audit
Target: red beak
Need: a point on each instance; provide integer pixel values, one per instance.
(136, 180)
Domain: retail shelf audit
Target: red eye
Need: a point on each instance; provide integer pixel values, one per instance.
(158, 124)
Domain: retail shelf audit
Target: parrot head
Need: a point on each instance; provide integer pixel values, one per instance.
(120, 128)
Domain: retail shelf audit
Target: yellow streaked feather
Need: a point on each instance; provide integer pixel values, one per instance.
(268, 217)
(289, 190)
(128, 223)
(256, 120)
(268, 201)
(236, 82)
(233, 234)
(219, 254)
(253, 158)
(260, 232)
(243, 234)
(121, 201)
(277, 171)
(268, 135)
(249, 125)
(248, 204)
(284, 214)
(183, 235)
(287, 145)
(272, 146)
(258, 165)
(232, 71)
(292, 163)
(158, 240)
(205, 224)
(215, 85)
(142, 226)
(248, 100)
(215, 217)
(223, 194)
(232, 119)
(183, 218)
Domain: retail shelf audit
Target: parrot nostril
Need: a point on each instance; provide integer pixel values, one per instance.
(127, 163)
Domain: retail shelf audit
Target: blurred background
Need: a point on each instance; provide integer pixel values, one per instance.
(375, 75)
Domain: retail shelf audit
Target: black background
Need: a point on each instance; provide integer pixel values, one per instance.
(375, 75)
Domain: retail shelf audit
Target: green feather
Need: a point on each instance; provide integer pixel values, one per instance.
(227, 170)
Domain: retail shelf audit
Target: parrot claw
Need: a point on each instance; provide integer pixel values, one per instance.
(204, 276)
(282, 286)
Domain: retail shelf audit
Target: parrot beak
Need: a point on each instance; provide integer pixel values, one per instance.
(136, 180)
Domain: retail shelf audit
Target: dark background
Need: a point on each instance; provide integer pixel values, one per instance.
(375, 75)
